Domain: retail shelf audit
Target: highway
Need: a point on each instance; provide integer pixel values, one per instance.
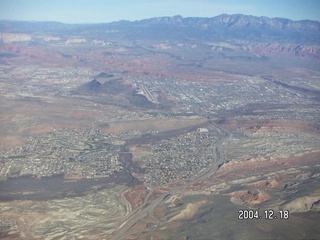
(147, 207)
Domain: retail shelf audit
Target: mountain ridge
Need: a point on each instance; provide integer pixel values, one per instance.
(261, 35)
(171, 19)
(234, 22)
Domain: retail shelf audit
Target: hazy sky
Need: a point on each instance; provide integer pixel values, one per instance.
(93, 11)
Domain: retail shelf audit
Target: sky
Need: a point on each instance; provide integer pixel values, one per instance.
(104, 11)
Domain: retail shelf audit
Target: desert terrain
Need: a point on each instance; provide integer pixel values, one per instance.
(165, 128)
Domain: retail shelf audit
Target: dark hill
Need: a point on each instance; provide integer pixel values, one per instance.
(116, 87)
(113, 87)
(92, 87)
(104, 75)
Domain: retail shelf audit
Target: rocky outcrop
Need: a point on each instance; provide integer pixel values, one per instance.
(266, 125)
(304, 204)
(248, 197)
(272, 49)
(76, 40)
(14, 37)
(268, 184)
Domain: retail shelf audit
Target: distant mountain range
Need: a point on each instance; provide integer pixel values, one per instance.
(233, 35)
(237, 27)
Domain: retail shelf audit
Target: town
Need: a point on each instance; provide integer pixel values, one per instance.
(92, 153)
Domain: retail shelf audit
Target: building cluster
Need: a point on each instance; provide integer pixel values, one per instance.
(180, 157)
(93, 154)
(215, 97)
(41, 81)
(79, 154)
(75, 153)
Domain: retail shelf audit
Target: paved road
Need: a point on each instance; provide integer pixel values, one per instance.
(147, 208)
